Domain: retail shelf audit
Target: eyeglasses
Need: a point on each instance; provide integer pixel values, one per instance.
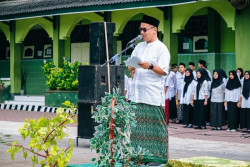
(145, 29)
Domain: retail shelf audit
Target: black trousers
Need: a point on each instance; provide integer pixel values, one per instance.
(187, 114)
(245, 118)
(200, 113)
(172, 108)
(217, 115)
(208, 110)
(232, 115)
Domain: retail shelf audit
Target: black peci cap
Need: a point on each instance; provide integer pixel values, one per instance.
(150, 20)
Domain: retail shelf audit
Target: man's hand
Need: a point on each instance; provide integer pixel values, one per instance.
(131, 69)
(144, 64)
(156, 69)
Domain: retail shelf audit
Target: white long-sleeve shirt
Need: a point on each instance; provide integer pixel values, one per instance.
(204, 90)
(218, 94)
(180, 80)
(129, 93)
(194, 74)
(170, 83)
(245, 103)
(233, 95)
(188, 95)
(147, 86)
(209, 74)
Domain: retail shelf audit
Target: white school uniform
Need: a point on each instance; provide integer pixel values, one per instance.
(204, 90)
(188, 96)
(171, 86)
(180, 80)
(233, 95)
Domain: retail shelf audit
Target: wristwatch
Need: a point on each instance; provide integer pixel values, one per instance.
(151, 67)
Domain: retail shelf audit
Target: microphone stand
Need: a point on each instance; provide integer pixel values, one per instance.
(132, 45)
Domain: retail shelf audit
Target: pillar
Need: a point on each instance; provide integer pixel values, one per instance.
(15, 61)
(58, 45)
(213, 31)
(170, 39)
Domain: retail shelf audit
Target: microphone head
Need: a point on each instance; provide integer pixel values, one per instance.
(139, 37)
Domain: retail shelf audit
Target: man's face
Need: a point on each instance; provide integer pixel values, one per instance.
(148, 32)
(181, 68)
(175, 69)
(191, 67)
(200, 65)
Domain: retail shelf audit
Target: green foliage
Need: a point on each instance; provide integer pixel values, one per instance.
(44, 135)
(124, 120)
(65, 78)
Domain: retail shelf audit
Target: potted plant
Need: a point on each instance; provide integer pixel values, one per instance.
(62, 82)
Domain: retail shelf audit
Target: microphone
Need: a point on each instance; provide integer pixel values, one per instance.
(139, 37)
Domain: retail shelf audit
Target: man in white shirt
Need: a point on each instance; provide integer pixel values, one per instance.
(180, 81)
(170, 91)
(128, 94)
(203, 64)
(148, 93)
(191, 65)
(125, 84)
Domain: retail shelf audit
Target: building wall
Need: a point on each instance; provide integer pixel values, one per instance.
(227, 38)
(34, 79)
(242, 39)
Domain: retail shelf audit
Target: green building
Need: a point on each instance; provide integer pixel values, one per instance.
(32, 31)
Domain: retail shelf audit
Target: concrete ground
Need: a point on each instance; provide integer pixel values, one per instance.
(183, 143)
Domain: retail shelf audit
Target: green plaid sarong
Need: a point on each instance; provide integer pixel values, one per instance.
(151, 132)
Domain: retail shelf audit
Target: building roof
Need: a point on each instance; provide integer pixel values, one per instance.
(15, 9)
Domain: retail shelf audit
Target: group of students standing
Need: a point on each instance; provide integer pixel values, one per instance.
(202, 97)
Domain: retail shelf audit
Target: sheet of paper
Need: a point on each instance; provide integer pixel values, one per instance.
(133, 62)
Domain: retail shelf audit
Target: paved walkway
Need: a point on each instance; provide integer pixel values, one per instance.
(183, 142)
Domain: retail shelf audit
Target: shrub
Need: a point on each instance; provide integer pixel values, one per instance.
(44, 135)
(65, 78)
(112, 136)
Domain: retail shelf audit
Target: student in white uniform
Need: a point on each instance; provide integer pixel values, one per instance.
(186, 98)
(191, 65)
(245, 103)
(180, 81)
(224, 75)
(200, 99)
(240, 73)
(128, 87)
(203, 64)
(170, 92)
(125, 84)
(232, 97)
(218, 87)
